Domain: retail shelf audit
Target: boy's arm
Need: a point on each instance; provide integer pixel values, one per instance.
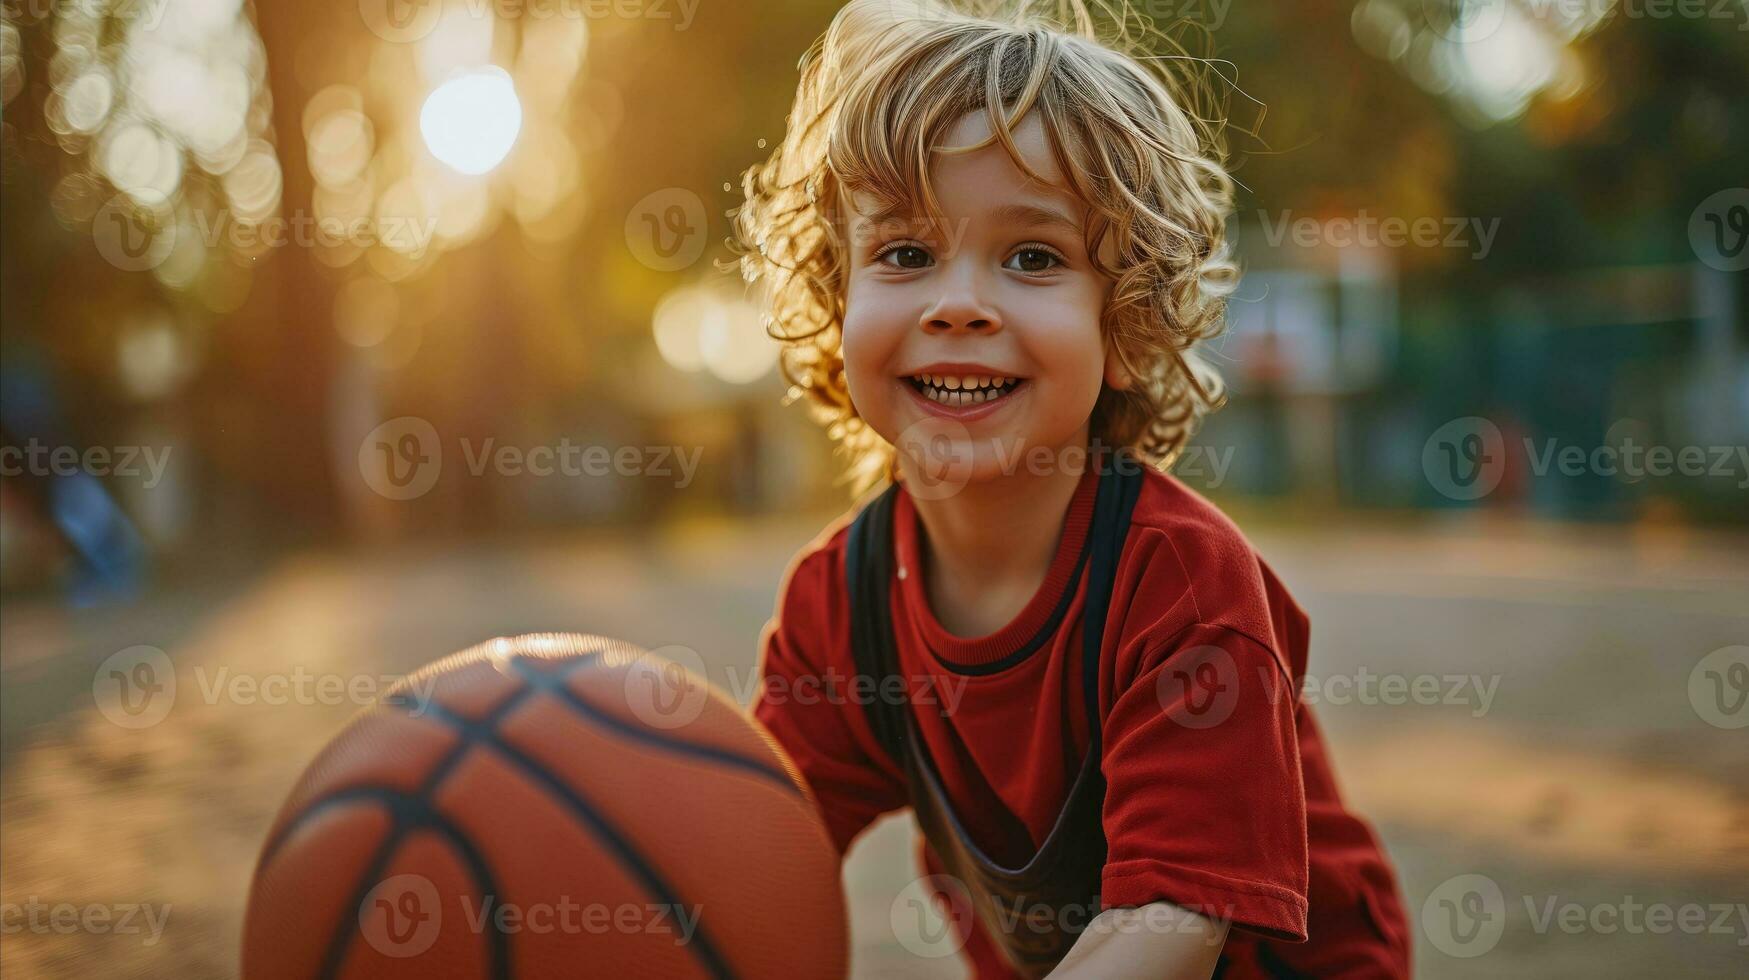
(1160, 941)
(802, 700)
(1205, 806)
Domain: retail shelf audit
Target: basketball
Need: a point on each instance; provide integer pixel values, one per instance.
(551, 805)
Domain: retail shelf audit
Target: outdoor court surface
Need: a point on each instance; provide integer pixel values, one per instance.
(1562, 758)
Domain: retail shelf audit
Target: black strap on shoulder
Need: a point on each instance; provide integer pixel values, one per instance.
(1111, 526)
(868, 572)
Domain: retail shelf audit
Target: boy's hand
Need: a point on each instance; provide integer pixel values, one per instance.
(1157, 941)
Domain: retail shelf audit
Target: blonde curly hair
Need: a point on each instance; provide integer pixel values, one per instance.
(878, 92)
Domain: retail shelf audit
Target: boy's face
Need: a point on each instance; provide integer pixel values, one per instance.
(1005, 289)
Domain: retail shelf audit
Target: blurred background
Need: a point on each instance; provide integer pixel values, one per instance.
(341, 334)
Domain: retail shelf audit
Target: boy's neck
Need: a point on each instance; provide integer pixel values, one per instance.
(987, 548)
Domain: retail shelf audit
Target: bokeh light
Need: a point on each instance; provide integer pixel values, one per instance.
(713, 327)
(470, 122)
(1493, 58)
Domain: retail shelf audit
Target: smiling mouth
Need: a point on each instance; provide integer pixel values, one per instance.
(964, 392)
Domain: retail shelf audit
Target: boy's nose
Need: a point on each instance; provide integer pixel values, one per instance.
(960, 306)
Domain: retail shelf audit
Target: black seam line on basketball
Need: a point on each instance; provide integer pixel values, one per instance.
(441, 771)
(629, 858)
(341, 938)
(555, 685)
(436, 775)
(411, 812)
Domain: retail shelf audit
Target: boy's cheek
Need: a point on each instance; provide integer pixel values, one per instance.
(867, 406)
(866, 354)
(870, 403)
(1068, 347)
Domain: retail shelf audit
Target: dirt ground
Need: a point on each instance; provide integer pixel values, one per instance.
(1567, 776)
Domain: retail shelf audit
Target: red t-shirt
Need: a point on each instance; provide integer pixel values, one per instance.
(1219, 792)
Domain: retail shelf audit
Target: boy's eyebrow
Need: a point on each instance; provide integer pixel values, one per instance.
(1033, 214)
(884, 214)
(880, 218)
(1014, 213)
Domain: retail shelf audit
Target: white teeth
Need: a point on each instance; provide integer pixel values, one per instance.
(969, 382)
(964, 391)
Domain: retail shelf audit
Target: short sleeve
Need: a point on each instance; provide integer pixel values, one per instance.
(1205, 806)
(801, 701)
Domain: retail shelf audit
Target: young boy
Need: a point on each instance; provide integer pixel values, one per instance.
(989, 245)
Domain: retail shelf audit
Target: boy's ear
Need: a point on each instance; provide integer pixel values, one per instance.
(1116, 375)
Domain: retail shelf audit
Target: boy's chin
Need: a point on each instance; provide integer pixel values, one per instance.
(937, 463)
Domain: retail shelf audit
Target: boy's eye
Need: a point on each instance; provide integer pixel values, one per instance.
(906, 257)
(1032, 260)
